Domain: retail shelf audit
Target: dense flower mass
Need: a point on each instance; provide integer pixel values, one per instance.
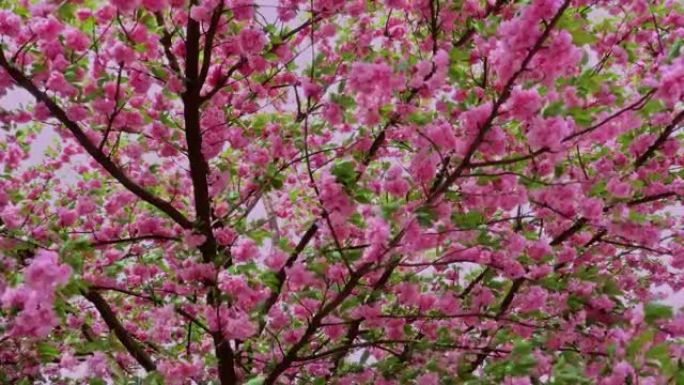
(387, 192)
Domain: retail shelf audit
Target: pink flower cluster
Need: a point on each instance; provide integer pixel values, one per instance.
(35, 297)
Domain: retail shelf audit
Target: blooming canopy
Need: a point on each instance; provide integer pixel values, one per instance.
(341, 192)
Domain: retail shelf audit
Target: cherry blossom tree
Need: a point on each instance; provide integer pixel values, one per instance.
(341, 192)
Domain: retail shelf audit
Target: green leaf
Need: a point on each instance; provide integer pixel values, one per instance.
(345, 101)
(425, 216)
(660, 354)
(522, 348)
(469, 220)
(277, 181)
(581, 37)
(357, 220)
(73, 287)
(558, 170)
(636, 344)
(598, 189)
(66, 11)
(636, 217)
(420, 118)
(344, 173)
(72, 253)
(458, 54)
(270, 279)
(581, 115)
(270, 56)
(157, 71)
(363, 195)
(47, 351)
(259, 235)
(350, 303)
(679, 377)
(655, 311)
(676, 49)
(154, 378)
(553, 109)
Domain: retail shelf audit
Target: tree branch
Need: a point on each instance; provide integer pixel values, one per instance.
(199, 169)
(166, 43)
(659, 142)
(209, 43)
(108, 315)
(505, 94)
(24, 82)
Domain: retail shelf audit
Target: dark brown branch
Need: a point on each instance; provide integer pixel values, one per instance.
(273, 297)
(502, 162)
(117, 109)
(517, 283)
(315, 323)
(209, 43)
(651, 198)
(505, 94)
(222, 82)
(632, 107)
(108, 315)
(199, 169)
(468, 34)
(91, 148)
(160, 238)
(224, 79)
(166, 43)
(659, 142)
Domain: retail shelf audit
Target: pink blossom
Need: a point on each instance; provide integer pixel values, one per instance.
(442, 135)
(125, 5)
(473, 119)
(276, 259)
(47, 28)
(76, 40)
(534, 299)
(332, 113)
(67, 217)
(154, 5)
(591, 208)
(311, 90)
(193, 239)
(224, 236)
(539, 249)
(10, 24)
(35, 296)
(524, 104)
(671, 89)
(619, 375)
(298, 276)
(243, 9)
(59, 84)
(45, 272)
(424, 166)
(618, 188)
(428, 379)
(333, 196)
(245, 250)
(251, 41)
(121, 53)
(378, 231)
(368, 78)
(177, 373)
(548, 133)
